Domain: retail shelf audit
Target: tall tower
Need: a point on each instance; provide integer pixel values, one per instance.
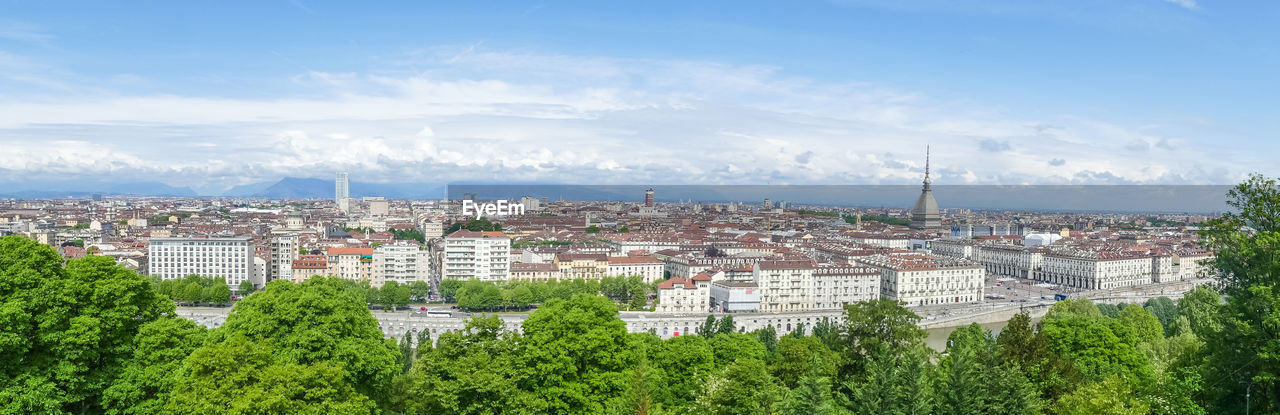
(648, 197)
(340, 191)
(925, 215)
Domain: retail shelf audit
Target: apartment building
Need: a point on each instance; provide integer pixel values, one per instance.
(685, 295)
(835, 286)
(481, 255)
(924, 279)
(648, 267)
(784, 285)
(228, 258)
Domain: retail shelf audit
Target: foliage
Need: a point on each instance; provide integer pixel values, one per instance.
(66, 332)
(449, 289)
(245, 288)
(411, 234)
(1110, 396)
(475, 371)
(475, 225)
(1164, 309)
(291, 348)
(628, 291)
(194, 289)
(874, 327)
(575, 354)
(148, 377)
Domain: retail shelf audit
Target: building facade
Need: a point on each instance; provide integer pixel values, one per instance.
(481, 255)
(228, 258)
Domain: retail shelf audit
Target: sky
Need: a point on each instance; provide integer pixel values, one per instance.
(216, 94)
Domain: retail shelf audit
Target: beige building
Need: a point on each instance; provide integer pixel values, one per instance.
(586, 266)
(647, 267)
(924, 279)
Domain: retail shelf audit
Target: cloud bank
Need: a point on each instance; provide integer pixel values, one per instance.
(468, 114)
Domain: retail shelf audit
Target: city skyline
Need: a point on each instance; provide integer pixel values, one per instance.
(836, 93)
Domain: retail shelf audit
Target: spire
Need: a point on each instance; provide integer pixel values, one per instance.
(926, 167)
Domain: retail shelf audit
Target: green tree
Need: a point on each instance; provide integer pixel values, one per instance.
(1096, 346)
(733, 346)
(725, 326)
(1245, 242)
(743, 387)
(449, 289)
(66, 333)
(1017, 340)
(768, 336)
(291, 348)
(159, 349)
(419, 291)
(1110, 396)
(893, 383)
(687, 361)
(406, 351)
(972, 380)
(218, 293)
(877, 326)
(799, 356)
(393, 295)
(811, 396)
(245, 288)
(1202, 306)
(1145, 325)
(708, 328)
(643, 379)
(593, 229)
(191, 292)
(1164, 309)
(575, 352)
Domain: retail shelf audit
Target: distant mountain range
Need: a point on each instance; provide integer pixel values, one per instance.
(61, 189)
(286, 188)
(307, 188)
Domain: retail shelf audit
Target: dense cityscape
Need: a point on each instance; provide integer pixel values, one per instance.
(786, 300)
(848, 207)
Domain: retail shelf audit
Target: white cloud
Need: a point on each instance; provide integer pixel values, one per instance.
(484, 115)
(1188, 4)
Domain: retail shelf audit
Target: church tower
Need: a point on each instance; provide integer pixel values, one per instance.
(925, 215)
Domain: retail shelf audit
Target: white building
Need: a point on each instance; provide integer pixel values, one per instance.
(735, 296)
(835, 286)
(341, 193)
(531, 204)
(784, 285)
(648, 267)
(685, 295)
(284, 249)
(401, 262)
(924, 279)
(481, 255)
(1095, 270)
(229, 258)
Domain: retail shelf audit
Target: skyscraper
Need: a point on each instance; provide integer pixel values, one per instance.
(925, 215)
(340, 191)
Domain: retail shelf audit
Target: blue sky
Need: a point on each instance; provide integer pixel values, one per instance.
(215, 94)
